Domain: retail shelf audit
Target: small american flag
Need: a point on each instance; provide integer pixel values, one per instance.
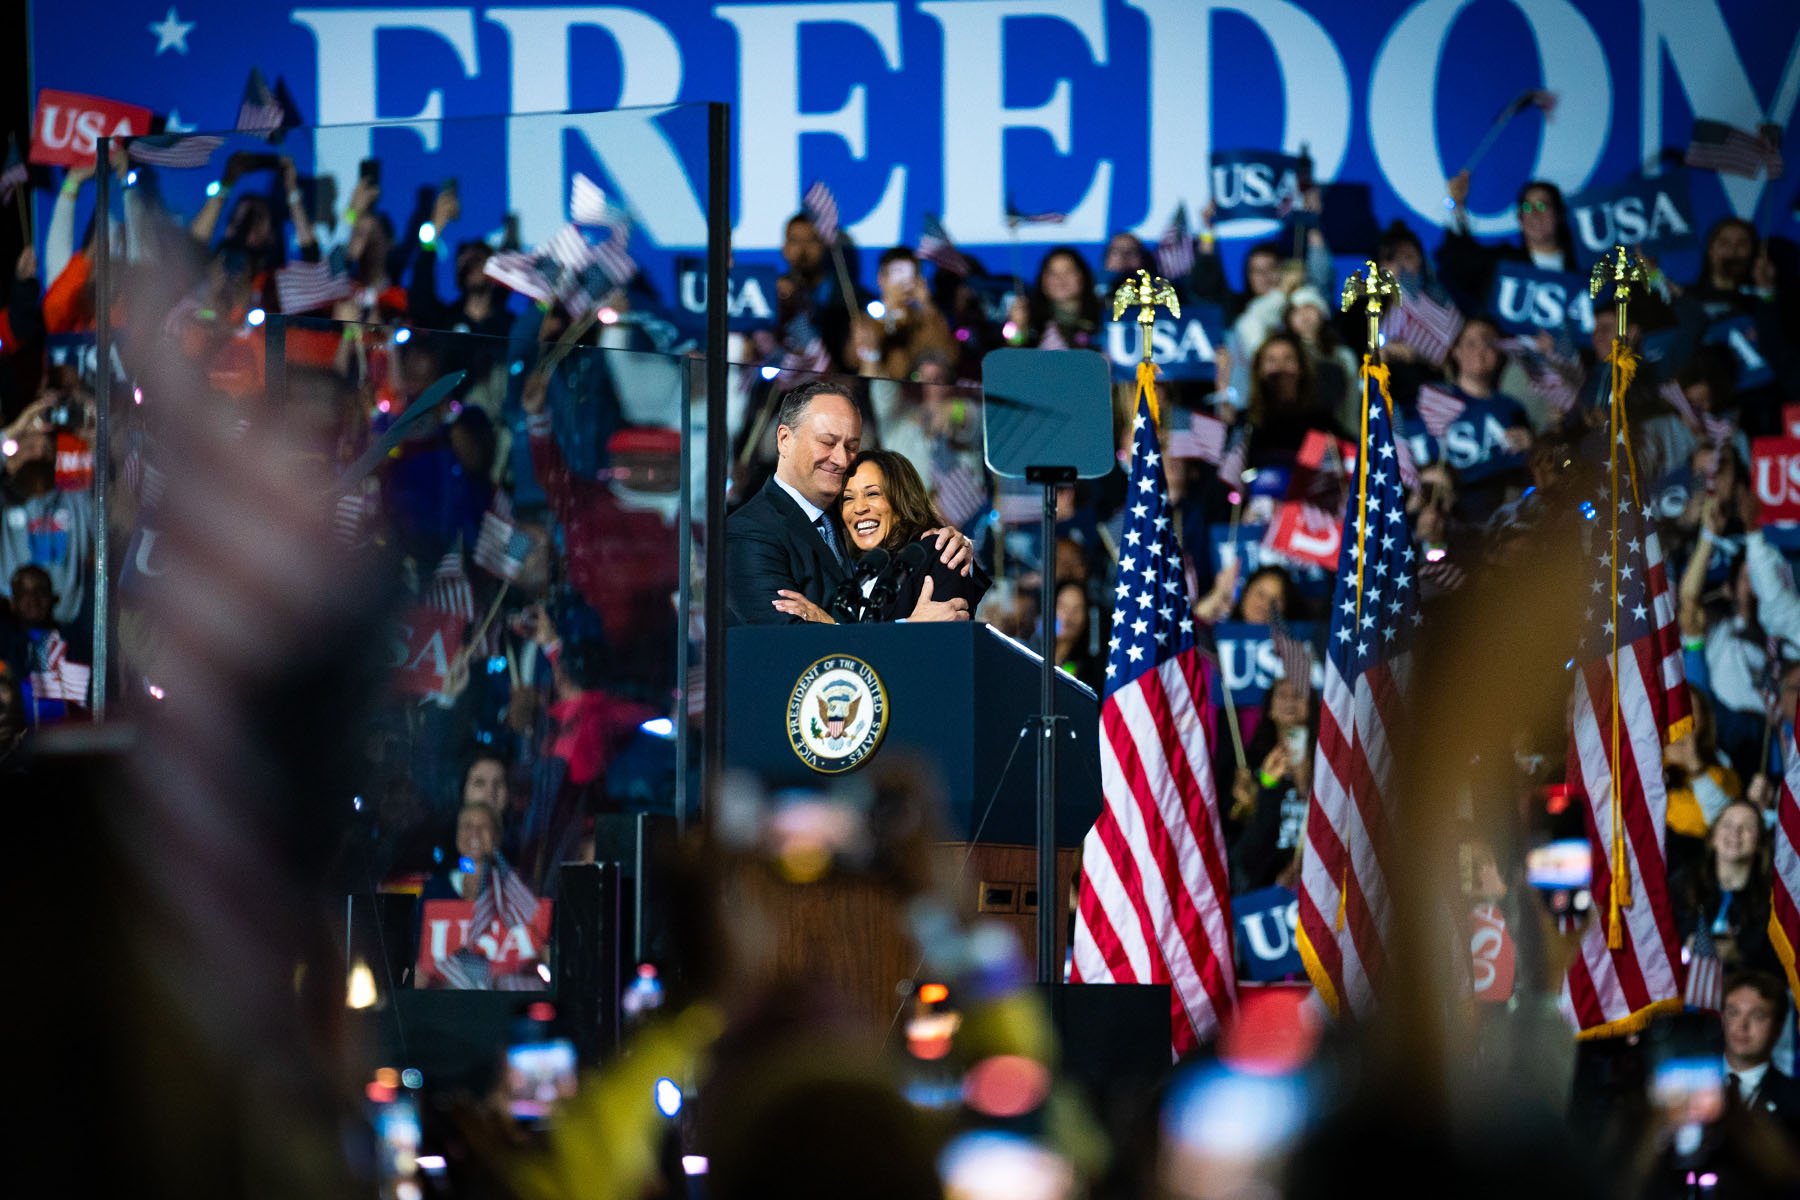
(352, 512)
(521, 272)
(1425, 325)
(1437, 408)
(1175, 250)
(1154, 895)
(504, 897)
(1719, 430)
(1705, 985)
(1716, 146)
(1204, 439)
(1374, 615)
(303, 286)
(960, 489)
(822, 207)
(1675, 397)
(611, 257)
(1553, 377)
(1016, 216)
(259, 111)
(57, 677)
(14, 175)
(1019, 508)
(1235, 458)
(588, 205)
(174, 150)
(935, 246)
(500, 547)
(804, 348)
(1295, 655)
(450, 591)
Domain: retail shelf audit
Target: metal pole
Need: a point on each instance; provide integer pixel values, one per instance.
(102, 421)
(1049, 905)
(718, 268)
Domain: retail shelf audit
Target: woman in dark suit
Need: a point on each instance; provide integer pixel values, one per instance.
(885, 505)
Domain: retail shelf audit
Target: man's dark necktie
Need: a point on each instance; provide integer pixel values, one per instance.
(826, 531)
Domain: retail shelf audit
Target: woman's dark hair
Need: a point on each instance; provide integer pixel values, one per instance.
(485, 754)
(1303, 391)
(1397, 234)
(1757, 887)
(1565, 241)
(1263, 740)
(1450, 363)
(913, 510)
(1712, 235)
(1086, 301)
(1290, 592)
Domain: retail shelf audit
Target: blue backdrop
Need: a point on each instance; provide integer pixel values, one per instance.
(1108, 110)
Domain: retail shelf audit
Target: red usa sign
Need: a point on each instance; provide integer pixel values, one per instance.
(1775, 471)
(69, 125)
(1491, 961)
(423, 646)
(445, 929)
(1305, 532)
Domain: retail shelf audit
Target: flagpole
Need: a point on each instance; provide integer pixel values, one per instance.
(845, 285)
(1624, 271)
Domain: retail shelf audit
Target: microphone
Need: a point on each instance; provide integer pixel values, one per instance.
(847, 602)
(887, 584)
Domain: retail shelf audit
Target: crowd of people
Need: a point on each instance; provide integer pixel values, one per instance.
(537, 509)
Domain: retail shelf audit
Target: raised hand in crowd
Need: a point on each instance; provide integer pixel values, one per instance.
(445, 209)
(26, 267)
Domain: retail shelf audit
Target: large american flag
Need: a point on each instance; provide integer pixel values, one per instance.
(1629, 690)
(1154, 899)
(1784, 908)
(1368, 657)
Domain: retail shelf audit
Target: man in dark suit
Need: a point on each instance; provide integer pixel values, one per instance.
(784, 538)
(1755, 1004)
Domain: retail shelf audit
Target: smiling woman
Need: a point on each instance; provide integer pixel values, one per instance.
(885, 506)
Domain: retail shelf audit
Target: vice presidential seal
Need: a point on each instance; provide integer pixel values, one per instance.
(837, 714)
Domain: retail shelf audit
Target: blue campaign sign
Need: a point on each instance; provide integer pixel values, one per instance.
(1530, 301)
(1266, 920)
(1248, 661)
(750, 300)
(1313, 581)
(1184, 347)
(1655, 214)
(1091, 108)
(1253, 185)
(1739, 333)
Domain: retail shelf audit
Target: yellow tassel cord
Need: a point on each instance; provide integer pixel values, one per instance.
(1784, 950)
(1624, 370)
(1315, 971)
(1146, 387)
